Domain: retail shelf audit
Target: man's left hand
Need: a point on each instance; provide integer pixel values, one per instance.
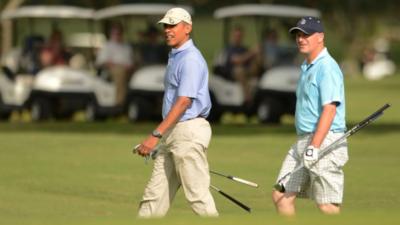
(310, 156)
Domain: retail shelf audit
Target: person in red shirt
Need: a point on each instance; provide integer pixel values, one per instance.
(54, 52)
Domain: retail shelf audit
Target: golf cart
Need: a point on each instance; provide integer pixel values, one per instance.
(146, 86)
(273, 91)
(59, 90)
(377, 63)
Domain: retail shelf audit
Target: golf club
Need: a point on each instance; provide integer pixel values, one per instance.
(237, 179)
(237, 202)
(153, 154)
(323, 152)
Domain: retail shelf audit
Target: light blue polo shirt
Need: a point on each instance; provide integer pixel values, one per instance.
(187, 75)
(321, 83)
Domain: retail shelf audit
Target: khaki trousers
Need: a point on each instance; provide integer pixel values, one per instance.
(181, 161)
(120, 77)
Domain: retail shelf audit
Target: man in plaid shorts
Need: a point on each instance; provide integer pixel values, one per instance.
(320, 120)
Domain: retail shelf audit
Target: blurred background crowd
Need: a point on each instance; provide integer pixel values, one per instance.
(108, 57)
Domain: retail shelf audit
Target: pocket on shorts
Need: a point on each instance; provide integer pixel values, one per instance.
(300, 146)
(340, 155)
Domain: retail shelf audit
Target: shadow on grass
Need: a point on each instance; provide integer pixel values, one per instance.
(144, 128)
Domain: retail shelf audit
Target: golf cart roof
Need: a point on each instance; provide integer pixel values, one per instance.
(136, 9)
(265, 10)
(44, 11)
(86, 40)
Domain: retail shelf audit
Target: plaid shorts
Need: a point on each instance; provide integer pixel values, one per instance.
(324, 182)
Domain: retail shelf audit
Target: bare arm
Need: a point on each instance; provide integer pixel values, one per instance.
(324, 124)
(180, 106)
(177, 110)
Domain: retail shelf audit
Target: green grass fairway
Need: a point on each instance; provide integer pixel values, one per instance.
(84, 173)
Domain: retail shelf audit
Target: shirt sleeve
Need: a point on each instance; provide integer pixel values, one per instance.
(331, 86)
(191, 78)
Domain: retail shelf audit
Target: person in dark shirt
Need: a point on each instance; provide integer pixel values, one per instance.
(152, 50)
(234, 63)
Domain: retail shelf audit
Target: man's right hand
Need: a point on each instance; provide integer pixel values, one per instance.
(145, 148)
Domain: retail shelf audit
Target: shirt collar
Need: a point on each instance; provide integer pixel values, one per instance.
(322, 54)
(186, 45)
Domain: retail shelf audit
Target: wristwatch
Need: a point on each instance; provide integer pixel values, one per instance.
(156, 133)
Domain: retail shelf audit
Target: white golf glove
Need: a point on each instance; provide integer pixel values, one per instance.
(310, 156)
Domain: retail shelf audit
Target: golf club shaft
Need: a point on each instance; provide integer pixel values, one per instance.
(237, 179)
(329, 148)
(237, 202)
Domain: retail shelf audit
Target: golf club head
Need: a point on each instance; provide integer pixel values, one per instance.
(279, 187)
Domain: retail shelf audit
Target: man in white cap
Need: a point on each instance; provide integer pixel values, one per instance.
(184, 133)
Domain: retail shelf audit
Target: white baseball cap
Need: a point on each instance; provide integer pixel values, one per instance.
(175, 16)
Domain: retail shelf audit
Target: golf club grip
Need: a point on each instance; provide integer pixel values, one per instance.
(244, 181)
(235, 201)
(241, 205)
(373, 116)
(237, 179)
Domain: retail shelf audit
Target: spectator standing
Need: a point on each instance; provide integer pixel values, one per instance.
(116, 57)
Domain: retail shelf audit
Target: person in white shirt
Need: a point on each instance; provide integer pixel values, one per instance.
(116, 57)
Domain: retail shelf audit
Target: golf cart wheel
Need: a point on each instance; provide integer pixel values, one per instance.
(40, 109)
(138, 109)
(215, 115)
(269, 111)
(5, 116)
(63, 115)
(92, 112)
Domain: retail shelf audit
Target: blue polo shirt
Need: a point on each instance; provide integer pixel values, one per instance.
(321, 83)
(187, 75)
